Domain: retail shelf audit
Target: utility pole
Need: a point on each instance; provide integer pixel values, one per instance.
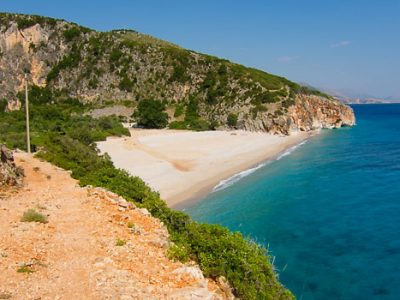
(28, 138)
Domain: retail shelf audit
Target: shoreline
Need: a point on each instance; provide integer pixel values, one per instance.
(185, 166)
(211, 184)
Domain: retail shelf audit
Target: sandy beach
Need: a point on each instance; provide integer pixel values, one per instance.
(186, 165)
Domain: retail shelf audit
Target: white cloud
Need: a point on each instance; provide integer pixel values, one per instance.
(286, 59)
(340, 44)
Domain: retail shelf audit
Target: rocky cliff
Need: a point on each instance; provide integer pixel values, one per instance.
(65, 60)
(10, 174)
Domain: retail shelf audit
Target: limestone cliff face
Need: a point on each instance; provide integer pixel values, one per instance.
(69, 61)
(308, 113)
(312, 112)
(23, 50)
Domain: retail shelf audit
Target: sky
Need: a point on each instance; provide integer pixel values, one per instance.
(350, 46)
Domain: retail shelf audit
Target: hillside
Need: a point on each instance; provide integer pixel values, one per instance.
(90, 243)
(200, 92)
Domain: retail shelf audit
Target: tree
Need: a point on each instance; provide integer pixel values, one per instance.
(151, 114)
(232, 120)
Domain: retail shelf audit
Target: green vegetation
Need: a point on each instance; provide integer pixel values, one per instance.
(25, 270)
(126, 84)
(71, 33)
(192, 119)
(120, 242)
(232, 120)
(179, 110)
(63, 118)
(32, 215)
(151, 114)
(131, 225)
(3, 105)
(68, 61)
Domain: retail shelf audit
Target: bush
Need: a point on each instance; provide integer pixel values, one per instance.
(24, 23)
(126, 84)
(37, 95)
(115, 55)
(179, 74)
(232, 120)
(288, 102)
(32, 215)
(179, 110)
(151, 114)
(71, 33)
(3, 105)
(178, 125)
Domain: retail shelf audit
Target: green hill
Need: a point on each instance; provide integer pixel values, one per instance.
(199, 91)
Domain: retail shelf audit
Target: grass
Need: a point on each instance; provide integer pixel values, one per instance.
(120, 242)
(25, 270)
(131, 225)
(32, 215)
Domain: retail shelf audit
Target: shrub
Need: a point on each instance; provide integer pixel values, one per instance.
(126, 84)
(232, 120)
(37, 95)
(3, 105)
(115, 55)
(32, 215)
(178, 253)
(178, 125)
(24, 23)
(71, 33)
(179, 110)
(151, 114)
(288, 102)
(179, 74)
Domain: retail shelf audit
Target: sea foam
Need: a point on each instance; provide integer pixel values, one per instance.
(235, 178)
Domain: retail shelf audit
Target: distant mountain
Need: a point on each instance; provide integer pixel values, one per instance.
(350, 97)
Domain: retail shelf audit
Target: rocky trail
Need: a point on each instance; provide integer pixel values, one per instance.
(92, 245)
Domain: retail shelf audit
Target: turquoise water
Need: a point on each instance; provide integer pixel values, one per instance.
(329, 212)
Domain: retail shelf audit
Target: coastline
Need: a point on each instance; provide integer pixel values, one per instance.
(185, 166)
(182, 201)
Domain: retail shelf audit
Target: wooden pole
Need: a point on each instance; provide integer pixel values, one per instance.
(28, 138)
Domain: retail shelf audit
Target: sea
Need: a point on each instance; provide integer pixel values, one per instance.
(328, 210)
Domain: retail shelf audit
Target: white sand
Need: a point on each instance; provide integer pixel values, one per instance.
(184, 165)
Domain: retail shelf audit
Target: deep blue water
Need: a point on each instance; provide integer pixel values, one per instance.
(329, 212)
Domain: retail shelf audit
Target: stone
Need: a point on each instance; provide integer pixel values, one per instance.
(10, 174)
(144, 211)
(192, 271)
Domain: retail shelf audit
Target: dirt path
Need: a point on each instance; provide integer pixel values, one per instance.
(75, 254)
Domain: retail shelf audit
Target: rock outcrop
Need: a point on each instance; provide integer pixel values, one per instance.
(308, 113)
(10, 174)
